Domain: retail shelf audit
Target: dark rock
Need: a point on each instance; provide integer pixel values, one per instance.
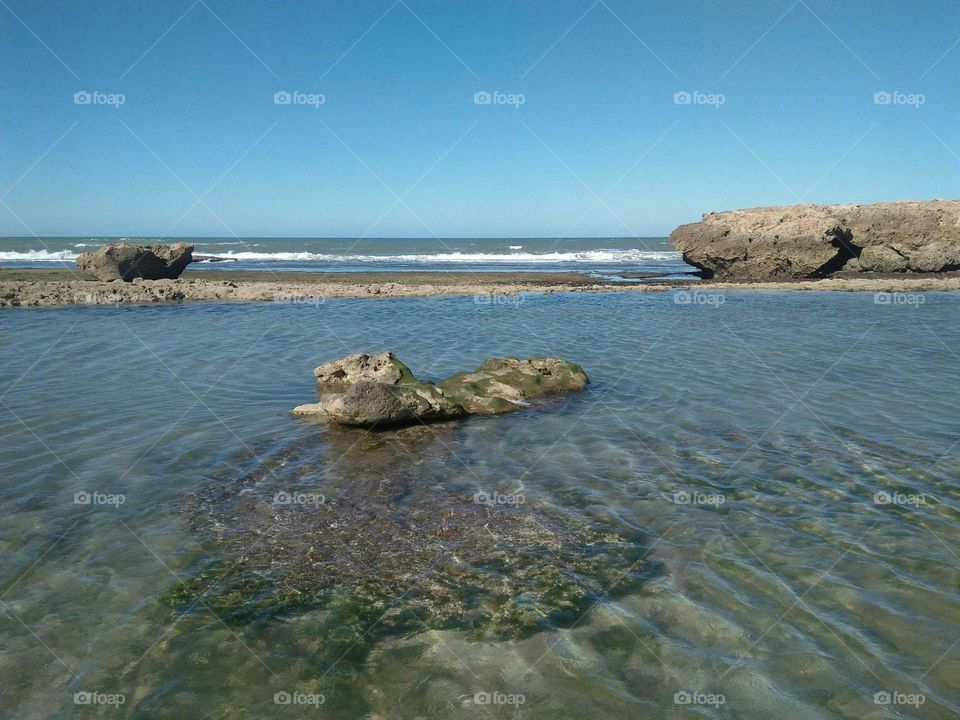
(126, 262)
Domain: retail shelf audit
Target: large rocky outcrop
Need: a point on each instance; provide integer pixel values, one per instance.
(379, 390)
(127, 262)
(809, 241)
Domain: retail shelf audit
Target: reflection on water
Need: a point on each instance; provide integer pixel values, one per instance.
(777, 489)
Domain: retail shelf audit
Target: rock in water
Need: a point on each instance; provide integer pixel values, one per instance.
(370, 403)
(809, 241)
(502, 385)
(382, 368)
(379, 390)
(126, 262)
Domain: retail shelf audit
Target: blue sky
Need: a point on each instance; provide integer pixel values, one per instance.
(782, 111)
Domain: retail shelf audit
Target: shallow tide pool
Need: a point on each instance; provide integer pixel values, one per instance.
(781, 468)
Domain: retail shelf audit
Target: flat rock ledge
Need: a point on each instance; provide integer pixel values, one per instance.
(378, 390)
(816, 241)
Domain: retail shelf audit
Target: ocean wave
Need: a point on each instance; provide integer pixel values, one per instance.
(586, 256)
(40, 255)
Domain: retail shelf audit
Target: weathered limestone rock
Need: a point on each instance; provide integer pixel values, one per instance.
(802, 241)
(382, 368)
(381, 391)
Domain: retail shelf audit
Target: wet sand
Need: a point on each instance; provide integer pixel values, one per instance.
(59, 287)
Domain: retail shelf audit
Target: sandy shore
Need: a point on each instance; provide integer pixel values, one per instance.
(52, 288)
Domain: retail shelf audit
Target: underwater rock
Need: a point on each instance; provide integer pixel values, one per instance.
(381, 390)
(380, 534)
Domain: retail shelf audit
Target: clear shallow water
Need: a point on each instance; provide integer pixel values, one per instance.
(798, 596)
(598, 255)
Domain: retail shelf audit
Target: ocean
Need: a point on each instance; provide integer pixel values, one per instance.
(603, 256)
(750, 513)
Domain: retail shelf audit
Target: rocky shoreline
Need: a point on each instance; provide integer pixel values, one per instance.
(49, 288)
(59, 288)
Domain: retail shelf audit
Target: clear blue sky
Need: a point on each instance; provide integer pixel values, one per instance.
(798, 122)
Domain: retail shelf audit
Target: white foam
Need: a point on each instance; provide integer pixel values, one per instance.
(40, 255)
(587, 256)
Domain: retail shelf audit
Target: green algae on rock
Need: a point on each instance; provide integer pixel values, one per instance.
(382, 391)
(502, 385)
(399, 544)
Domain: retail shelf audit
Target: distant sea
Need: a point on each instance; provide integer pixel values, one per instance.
(602, 256)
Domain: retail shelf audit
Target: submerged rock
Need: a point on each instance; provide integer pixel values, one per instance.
(808, 241)
(379, 390)
(126, 262)
(382, 535)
